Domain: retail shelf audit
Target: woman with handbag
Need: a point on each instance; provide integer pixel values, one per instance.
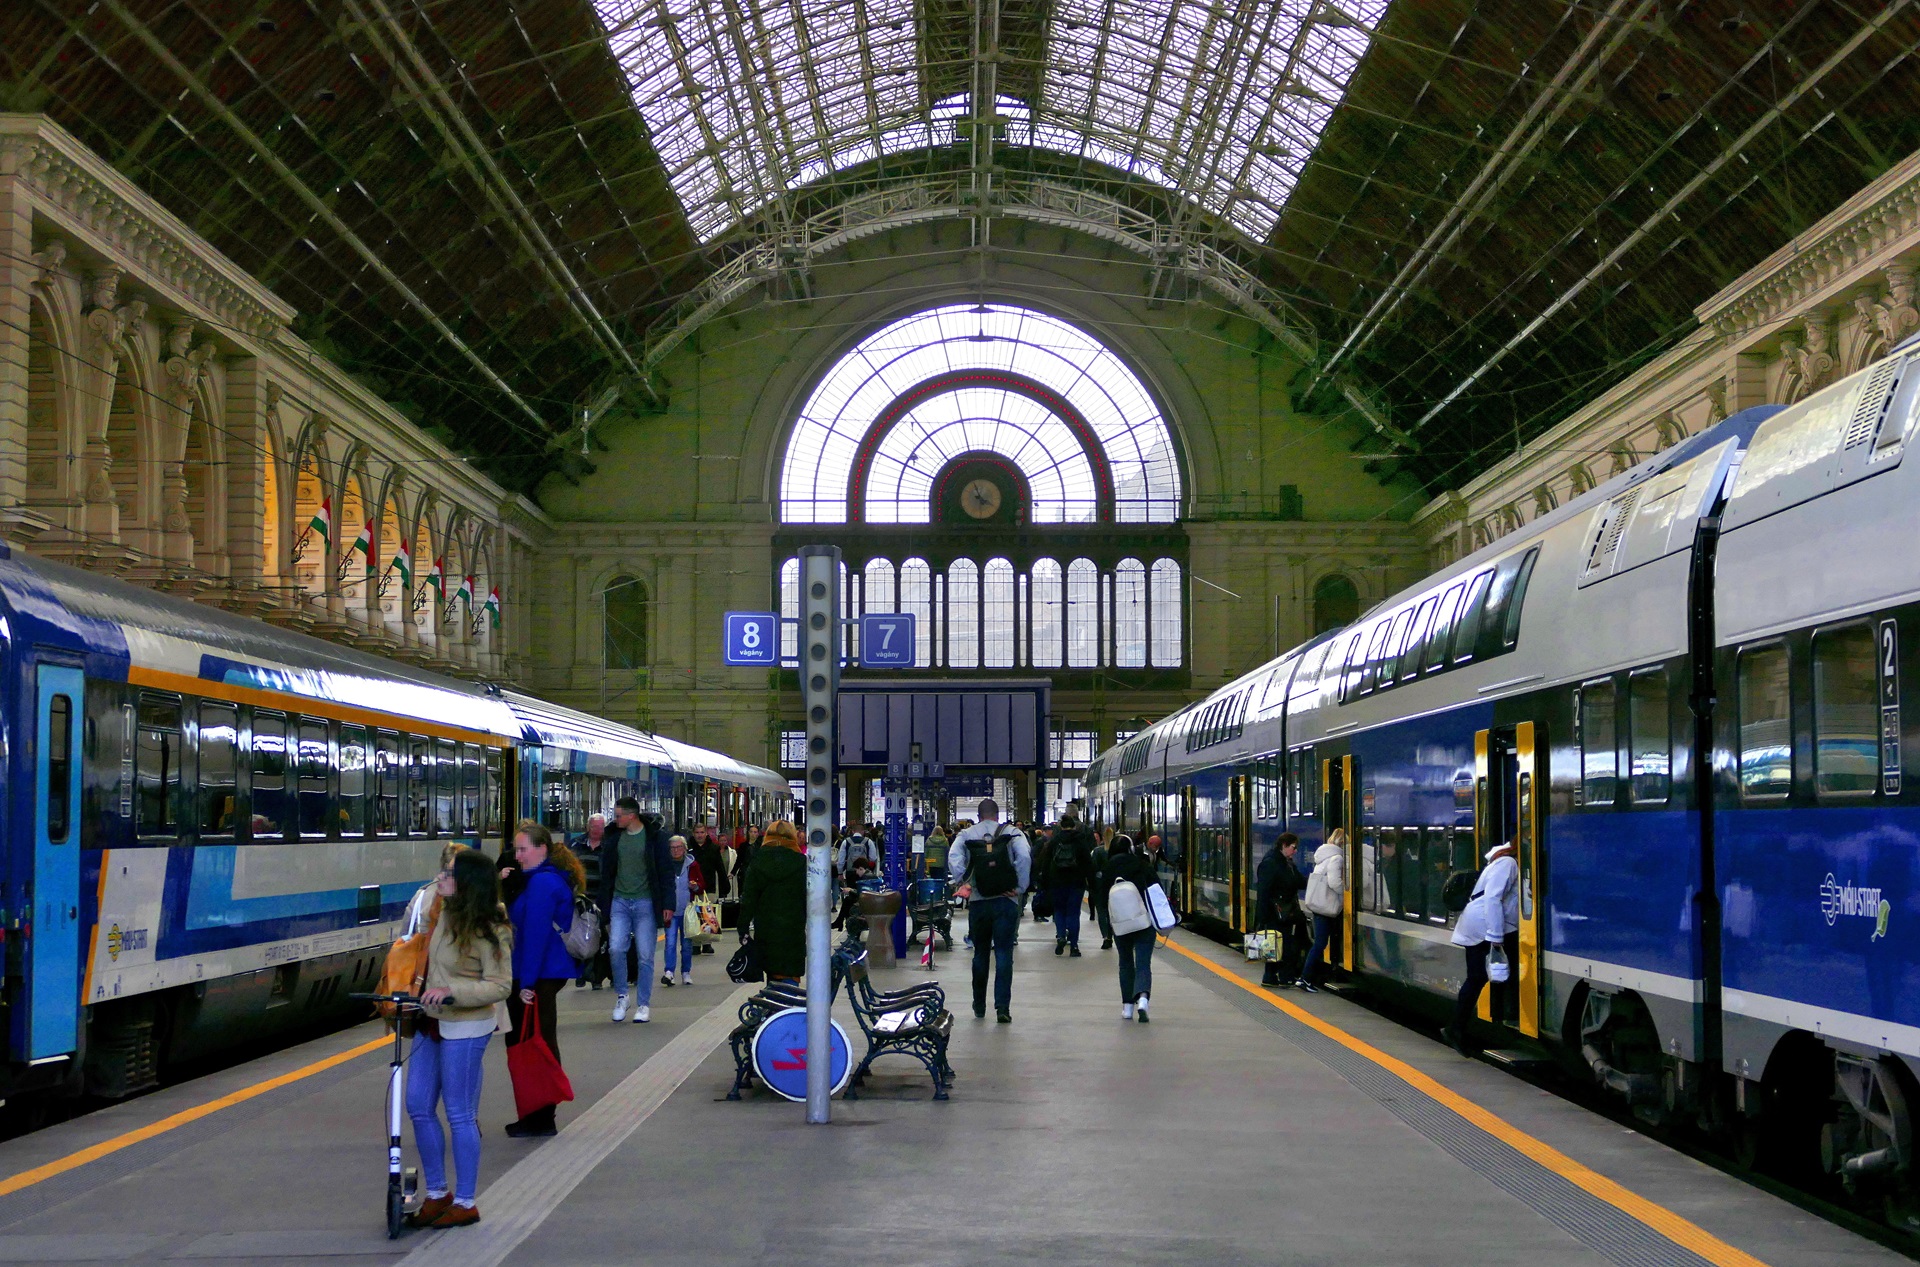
(1490, 921)
(687, 885)
(1326, 900)
(541, 965)
(469, 974)
(1128, 876)
(773, 903)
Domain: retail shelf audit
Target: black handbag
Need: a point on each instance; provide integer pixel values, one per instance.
(1043, 905)
(745, 964)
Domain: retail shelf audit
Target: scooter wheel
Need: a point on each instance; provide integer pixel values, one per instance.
(396, 1210)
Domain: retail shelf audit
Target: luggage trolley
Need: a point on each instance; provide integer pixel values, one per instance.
(930, 905)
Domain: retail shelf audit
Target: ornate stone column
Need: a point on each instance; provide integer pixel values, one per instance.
(17, 275)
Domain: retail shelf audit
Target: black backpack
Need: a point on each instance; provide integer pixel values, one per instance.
(1458, 890)
(1066, 859)
(990, 863)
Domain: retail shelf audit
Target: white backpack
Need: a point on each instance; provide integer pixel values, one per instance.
(1126, 909)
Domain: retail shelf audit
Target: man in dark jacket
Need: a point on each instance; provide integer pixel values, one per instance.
(1067, 867)
(636, 891)
(709, 853)
(1276, 905)
(589, 846)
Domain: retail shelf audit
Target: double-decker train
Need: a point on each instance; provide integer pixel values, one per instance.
(1680, 696)
(212, 825)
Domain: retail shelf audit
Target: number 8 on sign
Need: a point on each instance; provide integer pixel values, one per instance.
(750, 640)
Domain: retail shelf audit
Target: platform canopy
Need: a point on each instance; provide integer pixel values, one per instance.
(1461, 218)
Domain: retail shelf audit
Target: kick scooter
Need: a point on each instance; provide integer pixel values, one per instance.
(402, 1180)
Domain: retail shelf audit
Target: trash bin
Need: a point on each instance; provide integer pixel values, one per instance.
(878, 910)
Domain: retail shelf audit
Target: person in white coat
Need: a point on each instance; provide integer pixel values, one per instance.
(1326, 899)
(1490, 918)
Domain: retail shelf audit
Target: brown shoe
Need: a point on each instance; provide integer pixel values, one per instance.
(430, 1209)
(459, 1216)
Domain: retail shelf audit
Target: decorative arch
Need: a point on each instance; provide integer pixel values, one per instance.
(1336, 602)
(626, 609)
(1066, 379)
(54, 440)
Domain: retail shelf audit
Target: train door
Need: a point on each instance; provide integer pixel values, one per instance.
(1506, 808)
(53, 976)
(1340, 792)
(1240, 847)
(1189, 846)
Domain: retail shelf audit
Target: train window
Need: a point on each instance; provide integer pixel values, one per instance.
(446, 775)
(1766, 737)
(1396, 642)
(1415, 649)
(1441, 639)
(219, 740)
(418, 797)
(1374, 893)
(493, 818)
(157, 765)
(386, 784)
(353, 781)
(59, 741)
(1649, 737)
(106, 763)
(269, 766)
(1517, 602)
(313, 764)
(554, 802)
(1846, 712)
(1266, 787)
(1439, 865)
(1410, 891)
(1599, 742)
(470, 788)
(1473, 610)
(1370, 669)
(1350, 673)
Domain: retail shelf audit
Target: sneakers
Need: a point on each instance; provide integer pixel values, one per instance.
(1308, 986)
(430, 1209)
(1059, 948)
(620, 1008)
(1126, 1011)
(980, 1011)
(1140, 1010)
(666, 979)
(1106, 943)
(642, 1014)
(1073, 952)
(686, 978)
(1003, 1016)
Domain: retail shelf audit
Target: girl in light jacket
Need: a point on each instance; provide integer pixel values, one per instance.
(469, 974)
(1491, 918)
(1326, 899)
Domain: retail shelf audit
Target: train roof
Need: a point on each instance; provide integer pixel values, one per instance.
(563, 727)
(718, 765)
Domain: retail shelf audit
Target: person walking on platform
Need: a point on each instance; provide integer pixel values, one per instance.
(636, 888)
(1326, 901)
(688, 877)
(1097, 882)
(587, 847)
(773, 903)
(469, 976)
(1276, 907)
(1491, 918)
(933, 863)
(1130, 873)
(992, 864)
(856, 844)
(1067, 873)
(712, 860)
(541, 964)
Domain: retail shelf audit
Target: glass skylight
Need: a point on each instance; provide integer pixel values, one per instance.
(1223, 103)
(1133, 438)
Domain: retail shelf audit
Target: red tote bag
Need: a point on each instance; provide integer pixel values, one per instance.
(538, 1080)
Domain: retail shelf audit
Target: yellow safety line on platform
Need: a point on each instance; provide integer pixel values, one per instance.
(1659, 1218)
(94, 1152)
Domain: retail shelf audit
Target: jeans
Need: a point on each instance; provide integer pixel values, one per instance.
(1136, 964)
(632, 924)
(447, 1071)
(1066, 913)
(1100, 914)
(677, 940)
(1324, 927)
(993, 923)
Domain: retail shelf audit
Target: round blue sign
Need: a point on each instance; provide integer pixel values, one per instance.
(780, 1054)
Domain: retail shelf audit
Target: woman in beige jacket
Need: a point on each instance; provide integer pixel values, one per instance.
(469, 974)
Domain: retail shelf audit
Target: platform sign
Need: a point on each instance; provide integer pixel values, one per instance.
(780, 1054)
(752, 639)
(886, 640)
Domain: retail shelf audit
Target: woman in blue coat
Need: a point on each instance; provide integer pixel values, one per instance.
(541, 914)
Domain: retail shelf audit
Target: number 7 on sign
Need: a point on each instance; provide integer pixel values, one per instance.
(887, 640)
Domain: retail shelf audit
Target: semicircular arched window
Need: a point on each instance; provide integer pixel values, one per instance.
(625, 640)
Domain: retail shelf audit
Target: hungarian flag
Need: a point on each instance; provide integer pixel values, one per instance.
(492, 606)
(466, 590)
(438, 578)
(364, 544)
(323, 519)
(403, 563)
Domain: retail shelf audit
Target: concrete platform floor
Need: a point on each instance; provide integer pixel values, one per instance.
(1228, 1131)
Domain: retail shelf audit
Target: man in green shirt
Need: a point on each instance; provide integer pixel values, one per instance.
(630, 889)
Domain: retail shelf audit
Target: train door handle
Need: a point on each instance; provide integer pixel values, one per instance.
(73, 912)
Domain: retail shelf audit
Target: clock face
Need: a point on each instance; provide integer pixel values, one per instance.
(980, 498)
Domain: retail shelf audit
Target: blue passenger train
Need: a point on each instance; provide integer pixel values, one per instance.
(1680, 696)
(213, 825)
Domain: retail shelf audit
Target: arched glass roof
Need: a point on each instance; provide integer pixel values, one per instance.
(1221, 102)
(1043, 394)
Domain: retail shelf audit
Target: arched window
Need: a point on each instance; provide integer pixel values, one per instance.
(790, 611)
(916, 596)
(626, 623)
(1164, 598)
(1083, 615)
(1049, 611)
(997, 614)
(1130, 615)
(963, 614)
(1336, 602)
(877, 589)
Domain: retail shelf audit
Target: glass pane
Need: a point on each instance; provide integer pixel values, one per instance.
(1168, 641)
(470, 784)
(963, 615)
(59, 741)
(1416, 644)
(1766, 735)
(353, 781)
(270, 800)
(446, 776)
(419, 793)
(387, 782)
(996, 614)
(219, 740)
(1411, 893)
(1442, 637)
(1130, 614)
(1599, 742)
(1650, 746)
(493, 804)
(1846, 712)
(157, 765)
(313, 765)
(916, 596)
(1083, 615)
(1467, 632)
(1049, 613)
(789, 611)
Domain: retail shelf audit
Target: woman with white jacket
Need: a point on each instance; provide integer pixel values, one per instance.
(1491, 918)
(1326, 898)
